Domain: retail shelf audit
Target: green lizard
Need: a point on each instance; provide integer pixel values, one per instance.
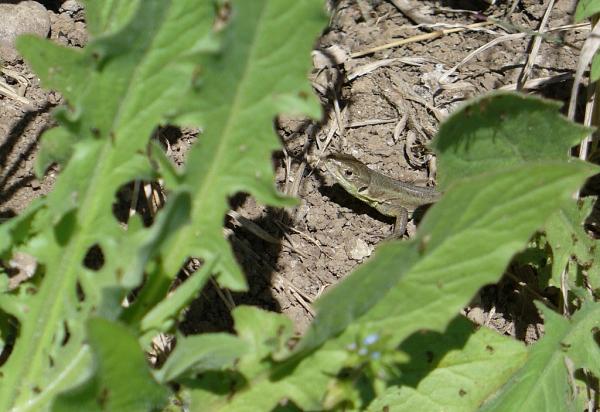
(388, 196)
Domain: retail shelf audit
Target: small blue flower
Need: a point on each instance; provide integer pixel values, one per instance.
(363, 351)
(371, 339)
(351, 347)
(376, 355)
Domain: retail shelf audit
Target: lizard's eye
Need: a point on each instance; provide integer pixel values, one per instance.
(348, 172)
(362, 189)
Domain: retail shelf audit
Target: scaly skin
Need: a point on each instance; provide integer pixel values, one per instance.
(389, 196)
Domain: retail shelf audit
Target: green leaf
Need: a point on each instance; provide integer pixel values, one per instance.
(568, 240)
(499, 130)
(119, 88)
(262, 73)
(263, 383)
(140, 69)
(488, 219)
(581, 343)
(542, 384)
(586, 8)
(453, 371)
(196, 354)
(121, 380)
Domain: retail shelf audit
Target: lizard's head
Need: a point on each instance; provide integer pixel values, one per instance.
(350, 173)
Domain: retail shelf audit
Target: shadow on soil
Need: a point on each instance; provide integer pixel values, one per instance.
(257, 258)
(8, 149)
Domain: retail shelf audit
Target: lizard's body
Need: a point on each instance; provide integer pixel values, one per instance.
(388, 196)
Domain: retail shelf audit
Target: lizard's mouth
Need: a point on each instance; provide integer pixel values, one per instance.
(337, 171)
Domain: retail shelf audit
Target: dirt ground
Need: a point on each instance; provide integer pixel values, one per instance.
(383, 108)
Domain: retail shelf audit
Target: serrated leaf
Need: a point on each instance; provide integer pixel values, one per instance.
(119, 88)
(70, 358)
(127, 80)
(586, 8)
(568, 240)
(453, 371)
(262, 73)
(581, 343)
(496, 131)
(542, 384)
(121, 380)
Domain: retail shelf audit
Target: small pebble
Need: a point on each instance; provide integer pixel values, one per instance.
(357, 249)
(71, 6)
